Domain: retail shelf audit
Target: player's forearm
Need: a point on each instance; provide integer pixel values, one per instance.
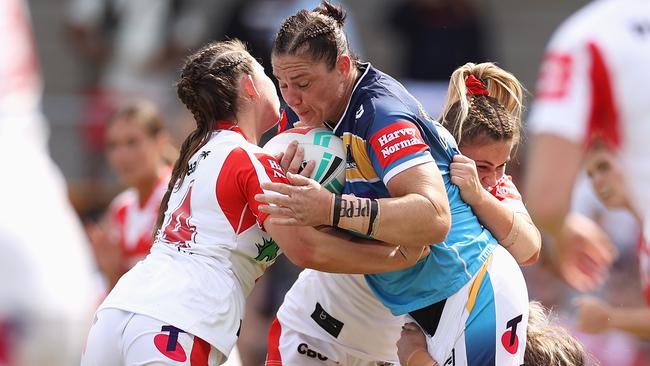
(410, 220)
(493, 215)
(338, 252)
(515, 231)
(548, 189)
(635, 321)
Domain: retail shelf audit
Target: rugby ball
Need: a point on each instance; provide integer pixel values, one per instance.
(320, 145)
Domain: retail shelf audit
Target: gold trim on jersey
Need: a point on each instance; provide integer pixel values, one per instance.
(476, 285)
(358, 167)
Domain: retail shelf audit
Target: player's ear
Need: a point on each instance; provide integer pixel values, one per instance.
(343, 64)
(247, 85)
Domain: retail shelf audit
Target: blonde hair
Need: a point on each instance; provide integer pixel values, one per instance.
(549, 344)
(497, 115)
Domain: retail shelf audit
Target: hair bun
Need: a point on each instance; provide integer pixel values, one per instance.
(333, 11)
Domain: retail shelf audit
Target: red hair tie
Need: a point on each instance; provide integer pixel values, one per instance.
(475, 86)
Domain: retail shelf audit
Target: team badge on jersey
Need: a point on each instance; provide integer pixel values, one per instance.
(267, 251)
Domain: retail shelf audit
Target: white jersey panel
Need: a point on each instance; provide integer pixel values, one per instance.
(368, 330)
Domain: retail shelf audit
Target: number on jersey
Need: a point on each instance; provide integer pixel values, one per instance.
(179, 231)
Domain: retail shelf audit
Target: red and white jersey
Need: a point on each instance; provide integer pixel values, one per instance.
(594, 83)
(346, 298)
(506, 192)
(210, 248)
(132, 222)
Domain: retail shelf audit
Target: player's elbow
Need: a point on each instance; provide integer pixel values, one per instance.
(440, 223)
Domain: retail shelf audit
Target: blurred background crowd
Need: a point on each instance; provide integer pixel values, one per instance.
(95, 56)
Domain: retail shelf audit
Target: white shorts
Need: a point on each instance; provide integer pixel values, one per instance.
(337, 309)
(119, 337)
(288, 347)
(485, 322)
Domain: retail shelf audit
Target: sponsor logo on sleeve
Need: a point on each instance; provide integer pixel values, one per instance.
(272, 168)
(396, 141)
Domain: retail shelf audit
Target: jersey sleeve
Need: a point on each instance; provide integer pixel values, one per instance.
(242, 175)
(267, 169)
(395, 144)
(574, 97)
(506, 192)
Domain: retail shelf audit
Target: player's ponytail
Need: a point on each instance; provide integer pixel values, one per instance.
(483, 100)
(335, 12)
(208, 87)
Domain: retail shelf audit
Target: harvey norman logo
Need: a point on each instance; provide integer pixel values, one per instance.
(410, 133)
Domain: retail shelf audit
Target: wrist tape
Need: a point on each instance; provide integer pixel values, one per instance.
(354, 213)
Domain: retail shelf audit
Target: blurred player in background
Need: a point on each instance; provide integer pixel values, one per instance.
(48, 288)
(591, 87)
(487, 138)
(595, 315)
(140, 153)
(398, 189)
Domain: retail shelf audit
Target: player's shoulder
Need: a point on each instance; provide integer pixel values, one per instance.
(375, 111)
(123, 201)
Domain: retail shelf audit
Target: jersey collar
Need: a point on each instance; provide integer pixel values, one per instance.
(224, 124)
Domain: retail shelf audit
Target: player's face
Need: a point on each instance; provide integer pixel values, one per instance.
(133, 154)
(490, 157)
(269, 100)
(607, 178)
(310, 88)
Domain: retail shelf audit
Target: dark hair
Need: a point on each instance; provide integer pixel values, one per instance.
(317, 33)
(145, 114)
(496, 116)
(208, 86)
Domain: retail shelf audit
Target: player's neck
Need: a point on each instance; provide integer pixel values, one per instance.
(350, 82)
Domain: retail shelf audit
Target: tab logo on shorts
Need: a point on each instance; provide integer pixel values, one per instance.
(303, 349)
(509, 339)
(168, 344)
(396, 141)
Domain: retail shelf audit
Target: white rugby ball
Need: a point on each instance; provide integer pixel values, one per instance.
(320, 145)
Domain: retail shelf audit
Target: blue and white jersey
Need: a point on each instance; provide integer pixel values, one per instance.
(385, 131)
